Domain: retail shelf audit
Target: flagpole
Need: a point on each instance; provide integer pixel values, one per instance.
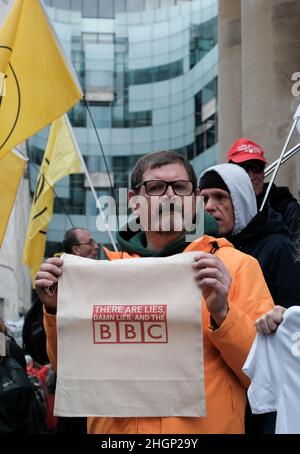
(100, 144)
(289, 154)
(296, 118)
(91, 185)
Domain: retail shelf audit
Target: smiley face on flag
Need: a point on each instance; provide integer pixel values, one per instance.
(9, 93)
(40, 83)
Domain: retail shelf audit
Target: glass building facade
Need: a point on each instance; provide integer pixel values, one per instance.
(148, 69)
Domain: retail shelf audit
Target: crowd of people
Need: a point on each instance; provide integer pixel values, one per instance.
(245, 262)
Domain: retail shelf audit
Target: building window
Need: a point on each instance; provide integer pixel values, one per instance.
(210, 91)
(75, 204)
(205, 102)
(120, 6)
(156, 73)
(203, 38)
(188, 151)
(152, 4)
(62, 4)
(95, 163)
(106, 8)
(122, 118)
(76, 5)
(122, 166)
(121, 170)
(135, 5)
(78, 61)
(101, 113)
(90, 8)
(207, 135)
(103, 38)
(121, 45)
(206, 119)
(141, 119)
(77, 115)
(35, 154)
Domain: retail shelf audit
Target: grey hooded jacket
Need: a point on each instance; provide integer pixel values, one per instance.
(262, 235)
(241, 192)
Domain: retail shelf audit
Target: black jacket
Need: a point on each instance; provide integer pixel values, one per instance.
(282, 201)
(266, 239)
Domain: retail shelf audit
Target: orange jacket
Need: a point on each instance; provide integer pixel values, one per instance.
(225, 351)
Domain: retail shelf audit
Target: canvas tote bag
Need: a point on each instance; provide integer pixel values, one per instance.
(129, 338)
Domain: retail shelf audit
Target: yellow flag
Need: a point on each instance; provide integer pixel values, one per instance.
(37, 84)
(60, 159)
(11, 171)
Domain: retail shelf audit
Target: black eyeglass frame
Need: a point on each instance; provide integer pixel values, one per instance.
(167, 183)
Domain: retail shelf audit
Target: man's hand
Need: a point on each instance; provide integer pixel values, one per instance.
(45, 279)
(270, 321)
(214, 279)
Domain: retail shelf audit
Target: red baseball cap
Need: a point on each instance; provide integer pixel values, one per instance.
(245, 150)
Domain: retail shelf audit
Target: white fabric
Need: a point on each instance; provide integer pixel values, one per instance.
(241, 191)
(158, 373)
(273, 365)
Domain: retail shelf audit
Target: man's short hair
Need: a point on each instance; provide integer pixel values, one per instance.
(159, 159)
(70, 240)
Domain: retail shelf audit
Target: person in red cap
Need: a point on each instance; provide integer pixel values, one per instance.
(249, 155)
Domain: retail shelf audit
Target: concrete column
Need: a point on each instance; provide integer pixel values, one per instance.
(229, 86)
(270, 56)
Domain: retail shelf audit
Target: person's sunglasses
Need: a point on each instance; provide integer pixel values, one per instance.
(253, 167)
(159, 187)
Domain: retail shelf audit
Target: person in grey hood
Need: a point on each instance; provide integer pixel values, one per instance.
(234, 187)
(229, 197)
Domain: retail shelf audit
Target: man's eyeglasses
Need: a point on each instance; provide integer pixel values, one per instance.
(253, 167)
(159, 187)
(91, 242)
